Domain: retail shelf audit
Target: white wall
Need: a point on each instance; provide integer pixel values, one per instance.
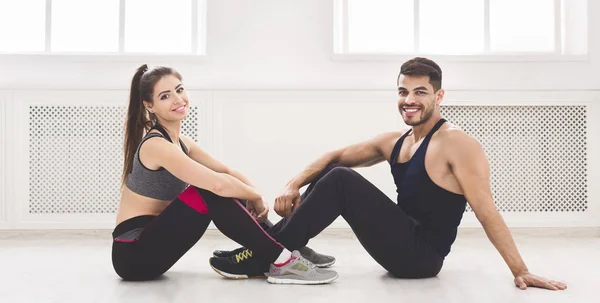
(287, 44)
(276, 55)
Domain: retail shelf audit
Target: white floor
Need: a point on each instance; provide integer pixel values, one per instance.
(75, 267)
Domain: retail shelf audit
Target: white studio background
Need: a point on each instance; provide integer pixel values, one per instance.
(272, 95)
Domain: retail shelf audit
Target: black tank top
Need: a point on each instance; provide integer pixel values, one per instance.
(438, 212)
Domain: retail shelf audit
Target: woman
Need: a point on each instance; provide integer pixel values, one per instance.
(160, 217)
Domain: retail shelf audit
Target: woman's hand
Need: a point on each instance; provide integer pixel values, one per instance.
(258, 209)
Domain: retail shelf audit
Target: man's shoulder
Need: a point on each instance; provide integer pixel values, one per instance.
(451, 136)
(385, 142)
(390, 137)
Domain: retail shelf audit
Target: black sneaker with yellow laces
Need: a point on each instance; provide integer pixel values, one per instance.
(227, 253)
(239, 266)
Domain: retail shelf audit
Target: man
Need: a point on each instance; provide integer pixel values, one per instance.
(436, 167)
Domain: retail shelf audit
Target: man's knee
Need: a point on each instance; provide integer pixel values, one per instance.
(334, 174)
(402, 274)
(414, 270)
(341, 173)
(331, 166)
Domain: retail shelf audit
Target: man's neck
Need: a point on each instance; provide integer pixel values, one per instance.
(420, 131)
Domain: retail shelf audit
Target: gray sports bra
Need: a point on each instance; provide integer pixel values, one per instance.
(158, 184)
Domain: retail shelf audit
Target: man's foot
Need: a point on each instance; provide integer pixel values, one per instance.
(298, 270)
(314, 257)
(239, 266)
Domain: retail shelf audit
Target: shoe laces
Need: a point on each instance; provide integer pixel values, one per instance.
(243, 255)
(306, 262)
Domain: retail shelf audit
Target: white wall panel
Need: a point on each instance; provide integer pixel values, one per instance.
(68, 155)
(4, 176)
(65, 147)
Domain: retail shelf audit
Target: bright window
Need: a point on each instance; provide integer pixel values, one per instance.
(102, 26)
(19, 34)
(460, 27)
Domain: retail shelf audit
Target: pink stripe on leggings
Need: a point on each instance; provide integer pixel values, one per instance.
(256, 222)
(192, 198)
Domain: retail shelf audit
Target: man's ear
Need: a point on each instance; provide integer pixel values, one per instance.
(439, 96)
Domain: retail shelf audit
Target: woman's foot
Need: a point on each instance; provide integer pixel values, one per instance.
(240, 265)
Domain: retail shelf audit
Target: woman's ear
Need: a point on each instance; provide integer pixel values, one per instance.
(148, 106)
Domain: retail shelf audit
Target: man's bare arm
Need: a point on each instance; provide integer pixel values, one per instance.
(471, 168)
(366, 153)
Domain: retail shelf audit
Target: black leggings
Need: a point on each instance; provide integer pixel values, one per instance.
(145, 247)
(388, 234)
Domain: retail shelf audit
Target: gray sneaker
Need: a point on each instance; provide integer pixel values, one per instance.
(316, 258)
(299, 271)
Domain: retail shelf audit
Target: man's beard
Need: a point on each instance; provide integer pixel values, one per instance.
(425, 116)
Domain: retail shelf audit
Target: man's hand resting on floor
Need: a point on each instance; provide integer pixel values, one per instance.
(524, 280)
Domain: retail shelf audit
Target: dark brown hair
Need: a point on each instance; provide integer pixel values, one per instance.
(423, 67)
(139, 121)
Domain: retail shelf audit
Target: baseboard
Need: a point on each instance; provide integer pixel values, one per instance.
(329, 233)
(562, 232)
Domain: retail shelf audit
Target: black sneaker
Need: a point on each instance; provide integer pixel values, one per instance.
(239, 266)
(227, 253)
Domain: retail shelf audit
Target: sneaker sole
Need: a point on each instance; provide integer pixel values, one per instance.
(291, 280)
(235, 276)
(325, 264)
